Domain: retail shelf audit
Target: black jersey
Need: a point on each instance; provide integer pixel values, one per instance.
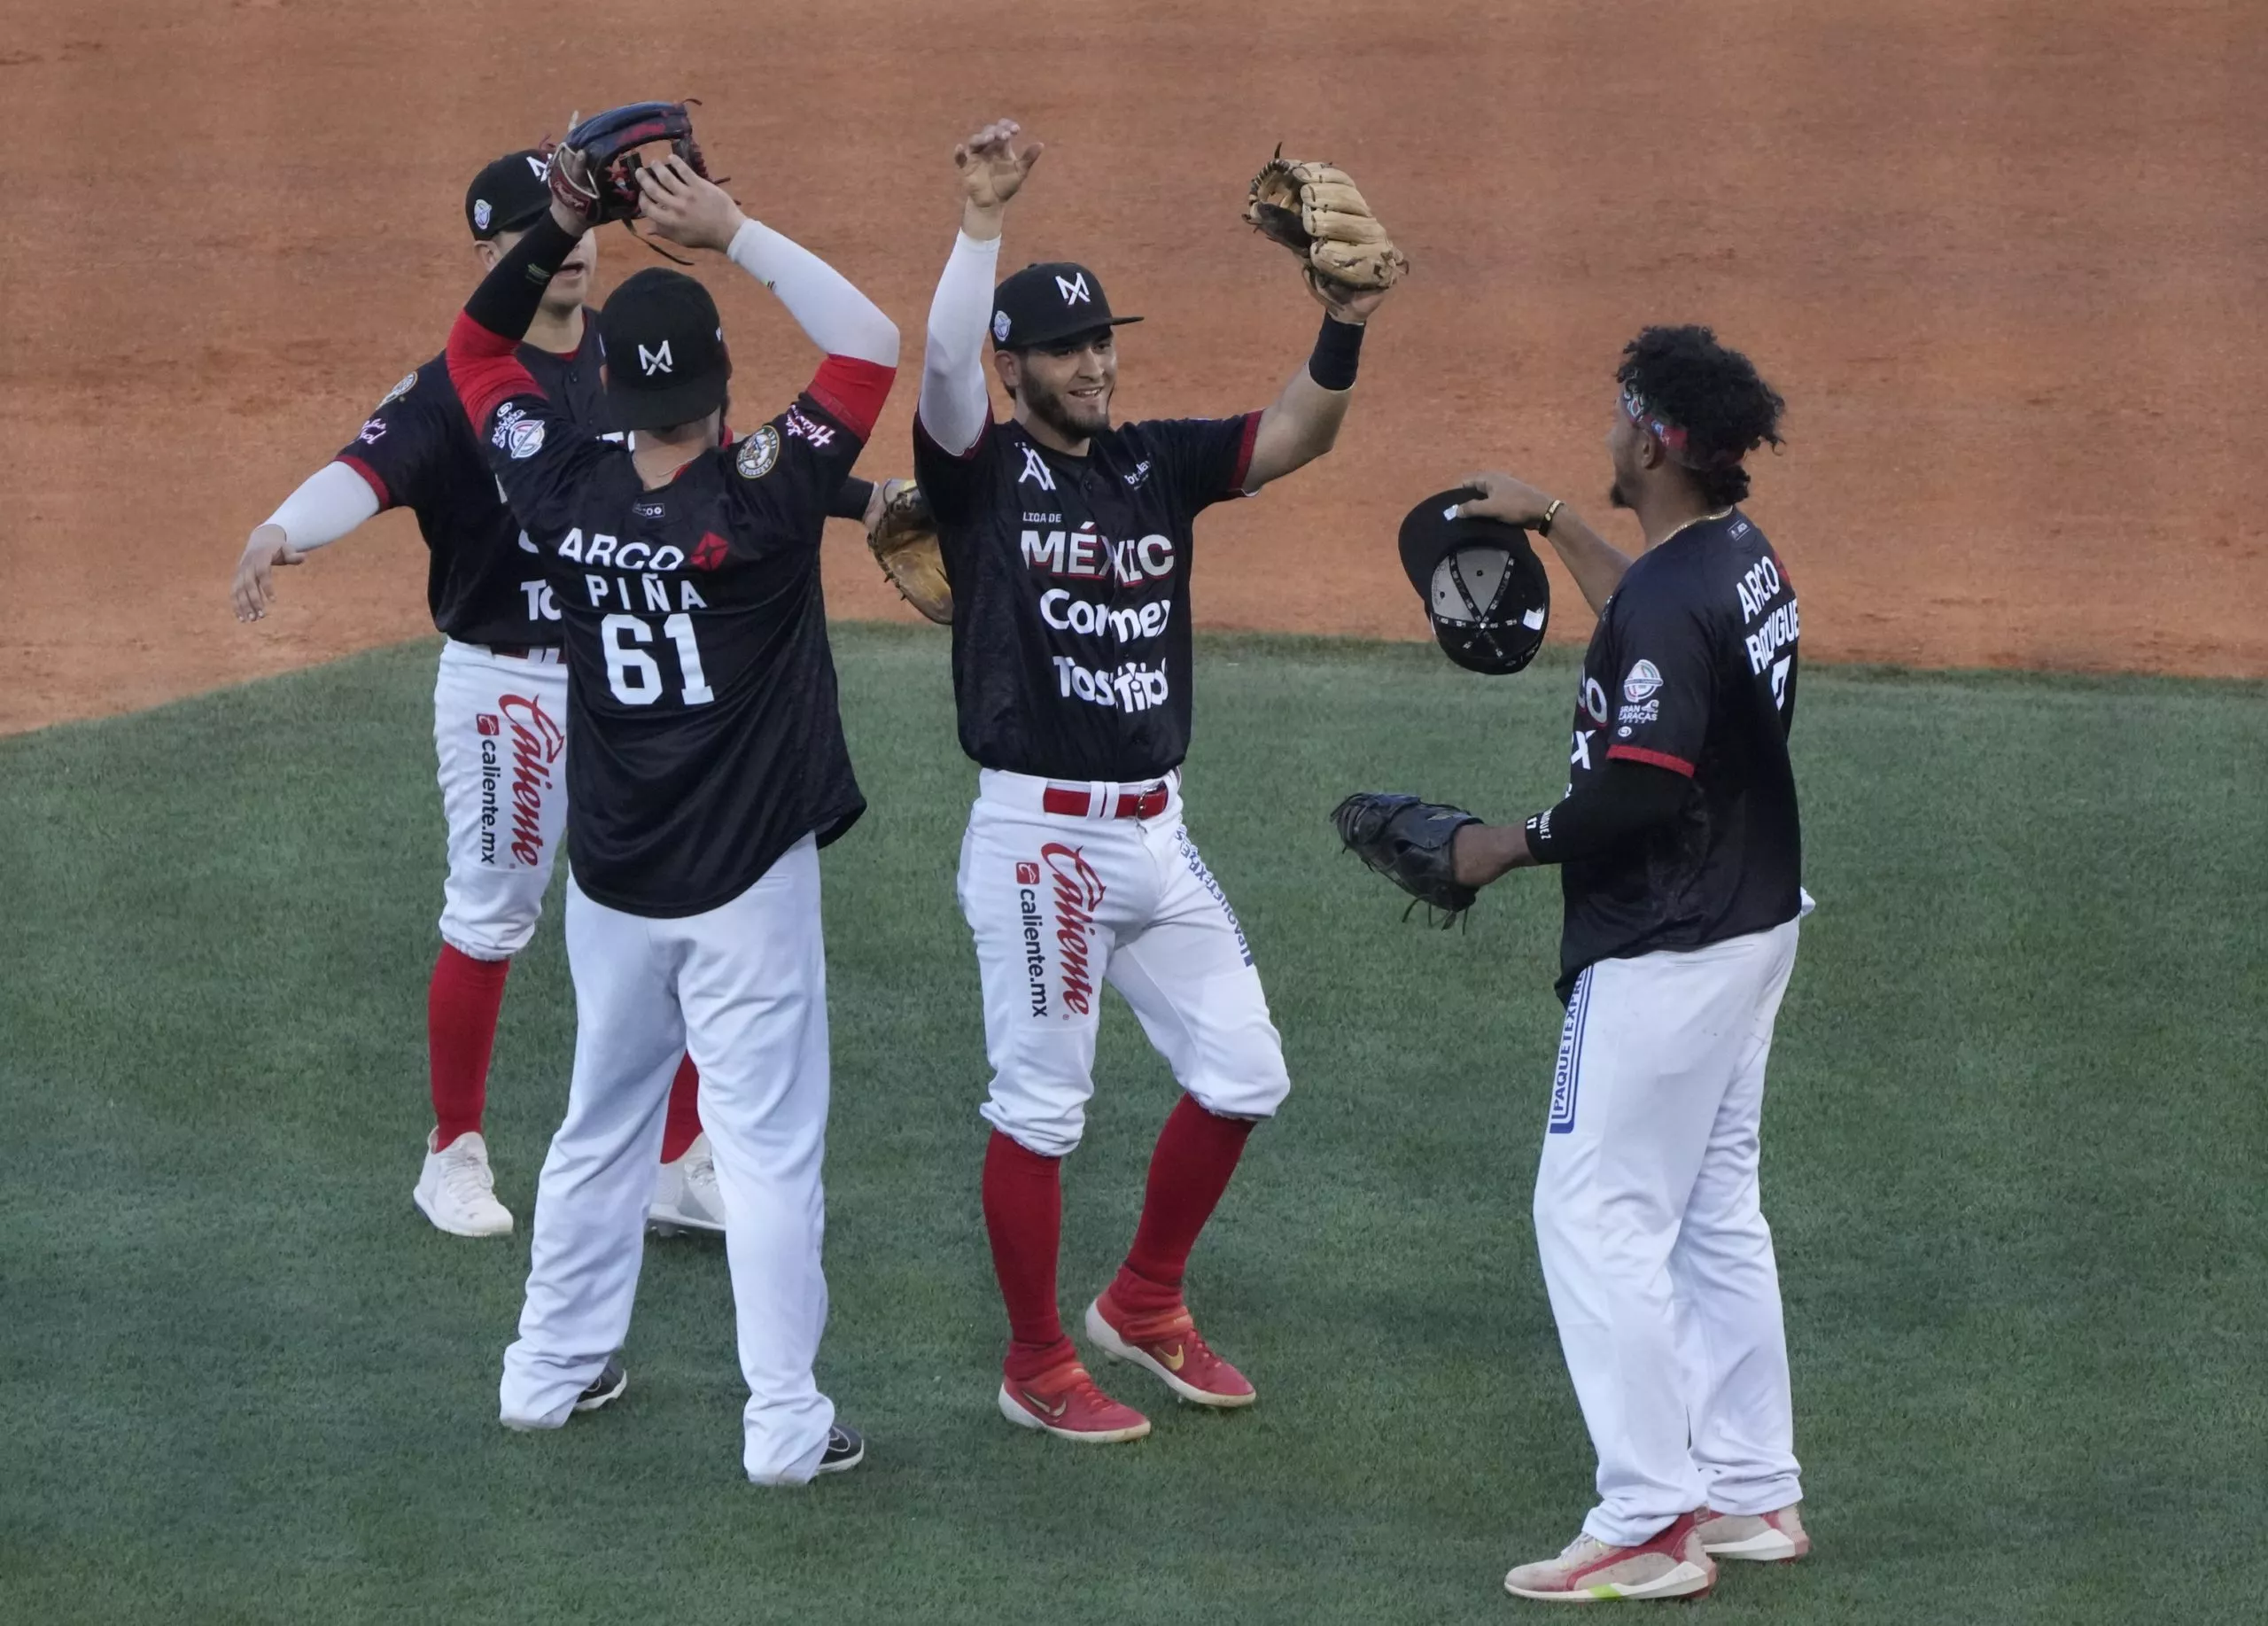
(1692, 668)
(417, 452)
(704, 738)
(1070, 577)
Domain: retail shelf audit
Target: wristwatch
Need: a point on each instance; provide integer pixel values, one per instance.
(1543, 525)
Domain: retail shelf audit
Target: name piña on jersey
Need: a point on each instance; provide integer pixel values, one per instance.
(701, 700)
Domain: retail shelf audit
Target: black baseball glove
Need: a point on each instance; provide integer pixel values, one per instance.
(1410, 843)
(594, 172)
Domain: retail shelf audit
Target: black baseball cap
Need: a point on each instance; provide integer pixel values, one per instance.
(508, 195)
(664, 346)
(1485, 590)
(1048, 303)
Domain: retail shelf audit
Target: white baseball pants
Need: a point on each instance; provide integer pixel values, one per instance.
(1654, 1246)
(500, 734)
(743, 989)
(1059, 905)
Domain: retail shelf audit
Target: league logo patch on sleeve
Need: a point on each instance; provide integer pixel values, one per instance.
(397, 391)
(757, 452)
(1643, 683)
(516, 433)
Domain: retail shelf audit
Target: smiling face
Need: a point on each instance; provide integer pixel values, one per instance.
(571, 288)
(1068, 387)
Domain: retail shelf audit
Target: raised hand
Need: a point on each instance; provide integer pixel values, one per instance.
(991, 170)
(686, 207)
(1345, 304)
(1502, 497)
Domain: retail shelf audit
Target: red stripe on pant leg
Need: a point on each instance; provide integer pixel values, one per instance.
(683, 1127)
(462, 1003)
(1197, 1151)
(1023, 1217)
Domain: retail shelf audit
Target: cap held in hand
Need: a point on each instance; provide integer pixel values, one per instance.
(1485, 590)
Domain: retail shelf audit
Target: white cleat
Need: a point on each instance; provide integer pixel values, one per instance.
(457, 1191)
(685, 1197)
(1776, 1538)
(1672, 1564)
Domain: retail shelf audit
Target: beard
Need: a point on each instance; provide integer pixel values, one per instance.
(1616, 497)
(1072, 420)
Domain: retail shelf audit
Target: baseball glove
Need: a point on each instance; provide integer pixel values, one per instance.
(1317, 212)
(905, 540)
(594, 172)
(1410, 843)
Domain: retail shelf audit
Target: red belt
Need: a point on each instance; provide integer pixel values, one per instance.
(1074, 803)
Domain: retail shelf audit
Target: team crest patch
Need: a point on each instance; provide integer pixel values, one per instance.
(1643, 683)
(481, 214)
(399, 390)
(999, 327)
(758, 452)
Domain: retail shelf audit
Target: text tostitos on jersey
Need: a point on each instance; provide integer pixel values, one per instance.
(1071, 632)
(1071, 666)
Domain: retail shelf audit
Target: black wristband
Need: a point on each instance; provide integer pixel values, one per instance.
(850, 502)
(1338, 348)
(507, 300)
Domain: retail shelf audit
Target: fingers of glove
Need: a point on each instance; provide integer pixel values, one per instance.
(1364, 268)
(1336, 225)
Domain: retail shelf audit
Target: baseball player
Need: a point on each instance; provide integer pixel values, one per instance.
(1679, 854)
(708, 768)
(1067, 543)
(498, 700)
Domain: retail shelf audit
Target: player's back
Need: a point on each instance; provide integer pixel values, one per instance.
(1693, 669)
(706, 737)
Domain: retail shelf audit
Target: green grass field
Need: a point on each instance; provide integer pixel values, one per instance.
(2014, 1157)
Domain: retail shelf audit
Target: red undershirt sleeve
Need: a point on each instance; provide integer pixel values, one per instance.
(852, 392)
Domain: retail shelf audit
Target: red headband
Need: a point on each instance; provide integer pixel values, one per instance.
(1672, 437)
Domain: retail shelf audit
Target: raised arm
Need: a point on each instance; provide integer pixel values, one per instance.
(860, 341)
(1595, 563)
(1303, 423)
(955, 404)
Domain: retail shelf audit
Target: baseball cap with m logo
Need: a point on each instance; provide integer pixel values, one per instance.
(666, 358)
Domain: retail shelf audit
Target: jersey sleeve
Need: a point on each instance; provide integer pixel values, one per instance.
(539, 456)
(1203, 460)
(787, 474)
(1664, 687)
(399, 444)
(954, 483)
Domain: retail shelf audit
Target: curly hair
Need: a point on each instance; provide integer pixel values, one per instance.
(1713, 393)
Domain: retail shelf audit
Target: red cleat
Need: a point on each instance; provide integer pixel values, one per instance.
(1167, 1344)
(1064, 1402)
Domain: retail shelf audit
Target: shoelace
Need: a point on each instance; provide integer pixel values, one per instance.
(464, 1178)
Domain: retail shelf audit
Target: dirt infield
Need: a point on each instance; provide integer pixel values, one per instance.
(2002, 259)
